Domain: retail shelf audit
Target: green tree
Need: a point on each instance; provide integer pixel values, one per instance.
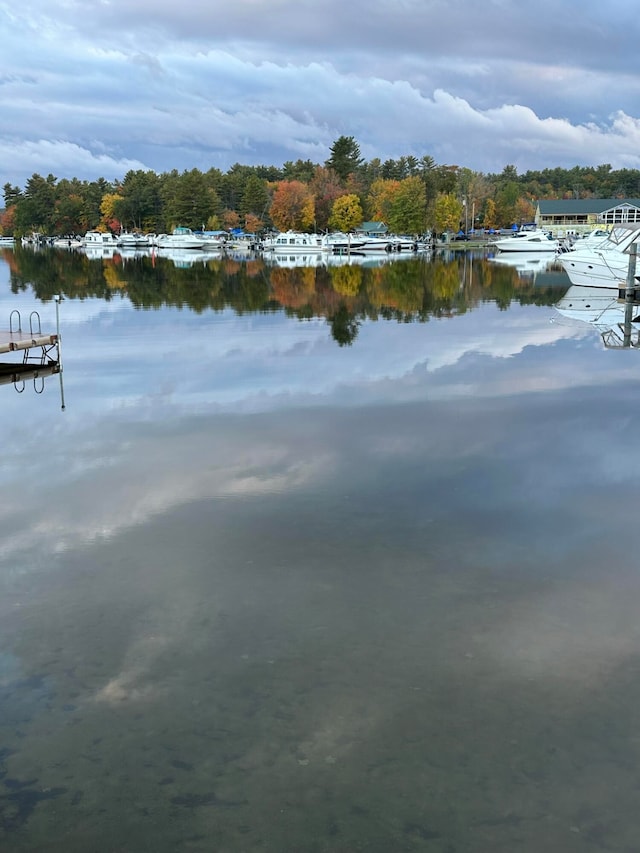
(255, 197)
(140, 203)
(408, 214)
(36, 210)
(345, 157)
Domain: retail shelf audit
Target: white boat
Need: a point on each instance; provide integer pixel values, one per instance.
(528, 239)
(594, 238)
(67, 243)
(99, 239)
(180, 238)
(130, 240)
(338, 241)
(605, 264)
(7, 242)
(289, 242)
(391, 243)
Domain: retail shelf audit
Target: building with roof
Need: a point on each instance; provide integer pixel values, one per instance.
(579, 215)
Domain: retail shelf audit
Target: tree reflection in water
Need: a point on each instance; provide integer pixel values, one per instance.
(407, 290)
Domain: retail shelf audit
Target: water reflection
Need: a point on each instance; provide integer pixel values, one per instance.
(617, 321)
(261, 592)
(526, 265)
(408, 288)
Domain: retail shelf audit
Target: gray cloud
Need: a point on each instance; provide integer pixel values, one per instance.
(98, 89)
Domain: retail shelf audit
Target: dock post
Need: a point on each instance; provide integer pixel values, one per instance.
(57, 299)
(630, 294)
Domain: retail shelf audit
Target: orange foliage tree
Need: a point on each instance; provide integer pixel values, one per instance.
(293, 206)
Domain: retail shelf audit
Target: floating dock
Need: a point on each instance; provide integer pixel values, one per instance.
(10, 341)
(39, 351)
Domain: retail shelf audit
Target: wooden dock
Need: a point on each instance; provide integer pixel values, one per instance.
(16, 340)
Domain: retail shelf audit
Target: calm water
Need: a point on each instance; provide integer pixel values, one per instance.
(317, 561)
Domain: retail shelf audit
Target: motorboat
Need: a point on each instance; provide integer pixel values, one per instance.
(390, 243)
(99, 240)
(7, 242)
(288, 242)
(595, 237)
(133, 240)
(528, 239)
(180, 238)
(339, 242)
(605, 264)
(67, 243)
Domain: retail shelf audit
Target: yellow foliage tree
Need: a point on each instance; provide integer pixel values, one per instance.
(108, 207)
(346, 213)
(447, 212)
(490, 218)
(381, 197)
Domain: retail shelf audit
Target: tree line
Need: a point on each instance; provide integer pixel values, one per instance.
(410, 195)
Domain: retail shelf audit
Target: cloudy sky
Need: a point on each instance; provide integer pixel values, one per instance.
(95, 89)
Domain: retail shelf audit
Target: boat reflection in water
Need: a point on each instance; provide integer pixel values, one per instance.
(338, 259)
(527, 265)
(617, 322)
(185, 258)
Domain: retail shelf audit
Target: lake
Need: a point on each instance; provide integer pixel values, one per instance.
(334, 558)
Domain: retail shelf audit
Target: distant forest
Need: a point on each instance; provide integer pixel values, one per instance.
(410, 195)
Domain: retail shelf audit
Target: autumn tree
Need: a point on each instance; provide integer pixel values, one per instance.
(346, 213)
(326, 188)
(447, 212)
(292, 207)
(8, 220)
(490, 215)
(252, 223)
(230, 219)
(380, 199)
(108, 211)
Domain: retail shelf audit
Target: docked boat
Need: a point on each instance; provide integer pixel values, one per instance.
(67, 243)
(390, 243)
(7, 242)
(99, 240)
(338, 242)
(528, 238)
(605, 264)
(289, 242)
(133, 240)
(180, 238)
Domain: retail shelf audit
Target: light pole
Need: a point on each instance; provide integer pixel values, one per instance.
(464, 204)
